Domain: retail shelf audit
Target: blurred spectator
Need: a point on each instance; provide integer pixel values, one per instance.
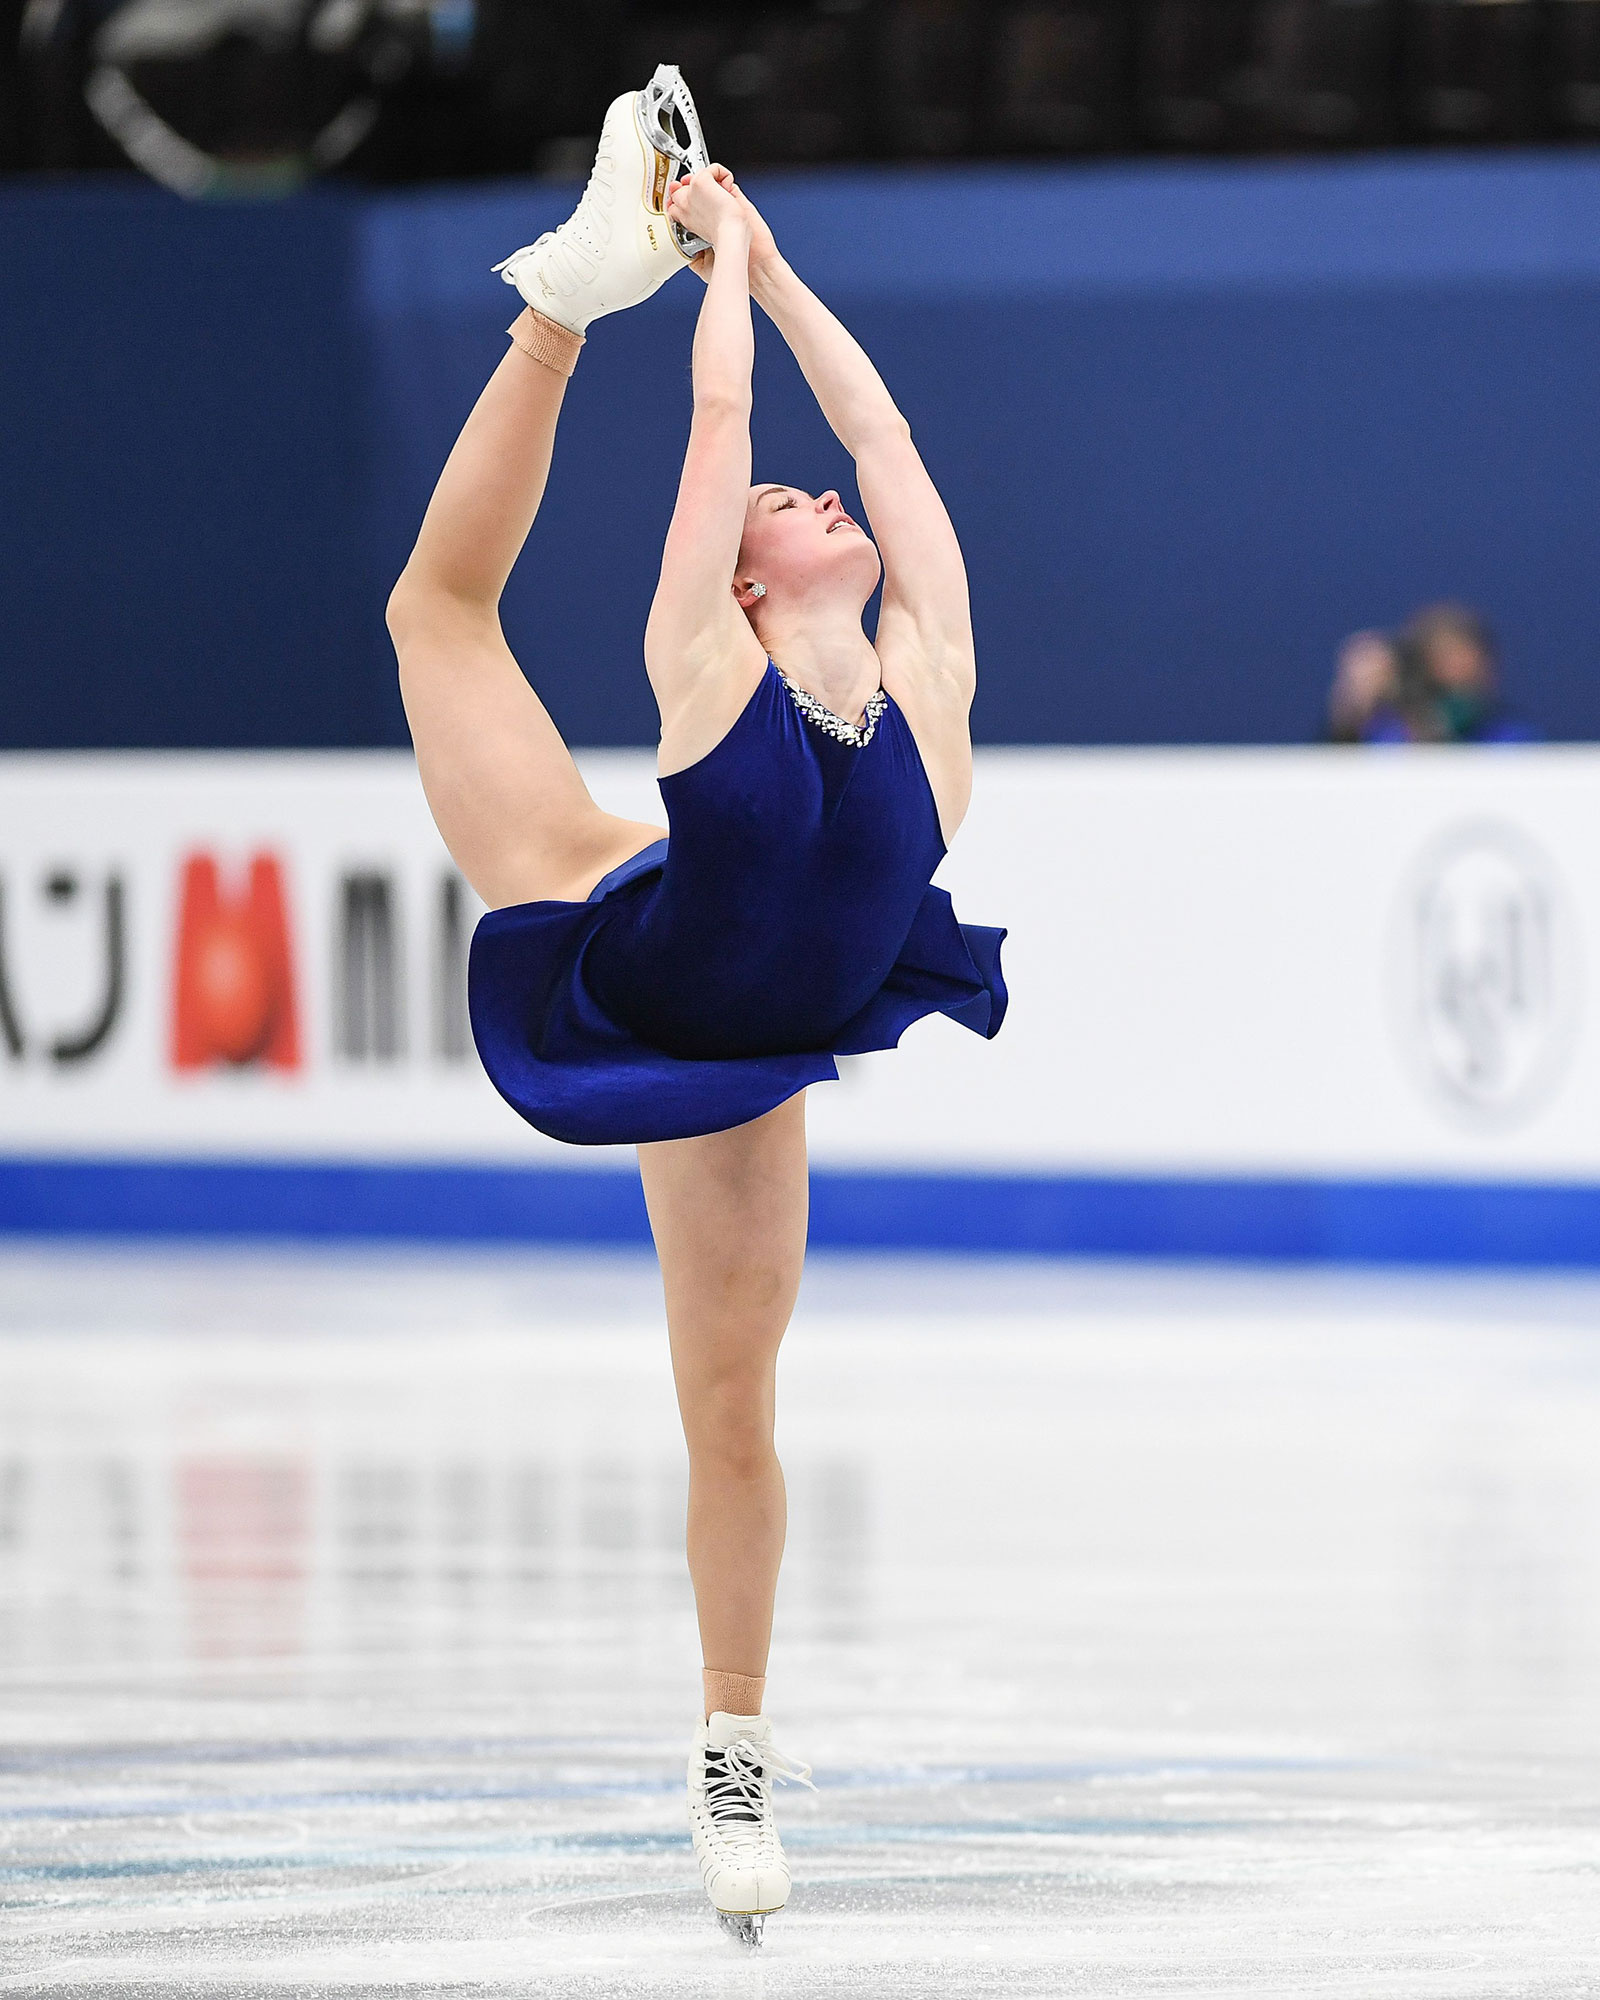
(1450, 679)
(1436, 681)
(1366, 688)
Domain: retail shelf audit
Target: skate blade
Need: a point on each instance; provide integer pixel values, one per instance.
(743, 1930)
(670, 127)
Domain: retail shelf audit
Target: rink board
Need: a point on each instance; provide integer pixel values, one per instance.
(1270, 1003)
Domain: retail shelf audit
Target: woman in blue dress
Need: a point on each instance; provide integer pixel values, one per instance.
(680, 987)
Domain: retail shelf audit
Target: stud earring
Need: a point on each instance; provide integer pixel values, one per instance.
(758, 590)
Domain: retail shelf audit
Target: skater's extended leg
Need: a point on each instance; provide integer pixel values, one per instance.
(729, 1216)
(502, 785)
(507, 797)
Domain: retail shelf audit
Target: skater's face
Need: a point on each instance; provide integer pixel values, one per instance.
(802, 548)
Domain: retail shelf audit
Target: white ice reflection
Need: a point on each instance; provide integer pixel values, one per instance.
(1152, 1633)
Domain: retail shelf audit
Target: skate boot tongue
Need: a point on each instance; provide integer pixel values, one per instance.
(721, 1730)
(740, 1757)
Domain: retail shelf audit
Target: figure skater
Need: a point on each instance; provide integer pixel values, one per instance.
(680, 988)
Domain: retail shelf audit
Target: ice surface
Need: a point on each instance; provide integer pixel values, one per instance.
(1167, 1633)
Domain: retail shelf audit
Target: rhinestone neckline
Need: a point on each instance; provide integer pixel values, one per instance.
(857, 734)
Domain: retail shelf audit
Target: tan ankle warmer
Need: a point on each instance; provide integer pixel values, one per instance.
(546, 341)
(733, 1694)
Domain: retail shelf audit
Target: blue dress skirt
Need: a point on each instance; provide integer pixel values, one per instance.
(787, 919)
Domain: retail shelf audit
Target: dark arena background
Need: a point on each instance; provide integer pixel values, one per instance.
(1190, 1415)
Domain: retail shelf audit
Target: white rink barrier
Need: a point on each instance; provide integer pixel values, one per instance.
(1235, 976)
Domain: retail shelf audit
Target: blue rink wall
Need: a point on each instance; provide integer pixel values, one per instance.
(1195, 423)
(1271, 1220)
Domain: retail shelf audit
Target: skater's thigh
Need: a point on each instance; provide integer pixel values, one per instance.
(728, 1212)
(504, 791)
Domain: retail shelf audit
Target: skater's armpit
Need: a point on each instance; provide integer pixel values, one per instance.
(926, 619)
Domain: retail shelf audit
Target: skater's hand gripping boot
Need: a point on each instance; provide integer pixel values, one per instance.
(763, 244)
(698, 208)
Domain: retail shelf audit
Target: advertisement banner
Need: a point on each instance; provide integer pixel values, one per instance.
(1298, 963)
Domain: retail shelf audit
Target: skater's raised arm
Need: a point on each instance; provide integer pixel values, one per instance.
(925, 605)
(696, 628)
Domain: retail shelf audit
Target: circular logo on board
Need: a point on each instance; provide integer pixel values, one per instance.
(1486, 957)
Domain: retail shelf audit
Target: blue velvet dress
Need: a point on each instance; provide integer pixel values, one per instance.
(787, 919)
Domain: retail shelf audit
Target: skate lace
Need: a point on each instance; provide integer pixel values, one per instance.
(579, 243)
(589, 225)
(738, 1780)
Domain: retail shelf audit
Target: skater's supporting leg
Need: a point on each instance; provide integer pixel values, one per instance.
(729, 1216)
(504, 790)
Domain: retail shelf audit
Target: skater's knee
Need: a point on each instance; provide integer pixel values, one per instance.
(728, 1425)
(734, 1458)
(763, 1290)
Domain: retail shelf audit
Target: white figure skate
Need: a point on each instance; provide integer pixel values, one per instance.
(618, 245)
(732, 1764)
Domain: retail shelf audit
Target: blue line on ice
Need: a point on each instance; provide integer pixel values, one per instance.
(851, 1781)
(870, 1835)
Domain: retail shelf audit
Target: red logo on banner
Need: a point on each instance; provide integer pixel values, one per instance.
(233, 996)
